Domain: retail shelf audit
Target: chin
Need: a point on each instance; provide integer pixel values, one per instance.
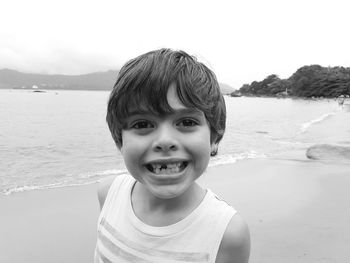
(167, 193)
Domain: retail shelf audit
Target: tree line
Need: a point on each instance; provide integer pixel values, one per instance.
(307, 81)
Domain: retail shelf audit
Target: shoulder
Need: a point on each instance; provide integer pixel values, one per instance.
(235, 244)
(103, 188)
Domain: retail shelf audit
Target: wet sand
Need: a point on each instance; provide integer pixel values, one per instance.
(53, 225)
(297, 211)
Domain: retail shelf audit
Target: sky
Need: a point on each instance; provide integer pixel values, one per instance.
(240, 40)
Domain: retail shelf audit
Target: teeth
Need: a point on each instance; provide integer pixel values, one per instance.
(166, 168)
(156, 166)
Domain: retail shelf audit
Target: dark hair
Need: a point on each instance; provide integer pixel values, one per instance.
(143, 84)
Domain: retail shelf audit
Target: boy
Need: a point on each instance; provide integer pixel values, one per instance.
(167, 116)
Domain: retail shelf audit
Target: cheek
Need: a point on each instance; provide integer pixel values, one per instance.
(201, 156)
(131, 146)
(200, 144)
(131, 155)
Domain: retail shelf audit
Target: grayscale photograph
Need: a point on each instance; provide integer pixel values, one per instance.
(174, 131)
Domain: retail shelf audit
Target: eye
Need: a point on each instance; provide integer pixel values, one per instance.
(187, 123)
(142, 124)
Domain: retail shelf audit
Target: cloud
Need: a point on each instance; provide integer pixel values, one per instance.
(46, 57)
(242, 41)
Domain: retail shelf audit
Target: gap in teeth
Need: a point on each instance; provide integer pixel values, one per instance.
(166, 168)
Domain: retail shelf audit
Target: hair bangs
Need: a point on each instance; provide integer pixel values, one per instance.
(145, 100)
(194, 91)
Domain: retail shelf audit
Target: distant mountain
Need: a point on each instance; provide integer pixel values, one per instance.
(94, 81)
(12, 79)
(226, 89)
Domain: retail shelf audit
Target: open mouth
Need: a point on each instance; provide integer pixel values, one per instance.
(166, 168)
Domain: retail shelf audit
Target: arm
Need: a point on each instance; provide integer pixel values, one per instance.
(103, 188)
(235, 244)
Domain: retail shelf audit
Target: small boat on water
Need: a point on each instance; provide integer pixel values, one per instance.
(39, 91)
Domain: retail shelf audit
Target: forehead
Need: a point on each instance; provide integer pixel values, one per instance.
(173, 99)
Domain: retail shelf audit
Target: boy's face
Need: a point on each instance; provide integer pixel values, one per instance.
(166, 154)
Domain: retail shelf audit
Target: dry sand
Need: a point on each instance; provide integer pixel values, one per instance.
(297, 211)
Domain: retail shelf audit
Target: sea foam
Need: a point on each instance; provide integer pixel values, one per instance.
(232, 158)
(305, 126)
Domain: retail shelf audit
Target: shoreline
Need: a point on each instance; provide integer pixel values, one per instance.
(296, 211)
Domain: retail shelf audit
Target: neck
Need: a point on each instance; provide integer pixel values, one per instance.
(157, 211)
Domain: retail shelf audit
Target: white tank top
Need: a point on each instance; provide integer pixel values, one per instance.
(124, 238)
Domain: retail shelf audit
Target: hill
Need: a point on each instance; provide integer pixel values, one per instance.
(12, 79)
(226, 89)
(94, 81)
(307, 82)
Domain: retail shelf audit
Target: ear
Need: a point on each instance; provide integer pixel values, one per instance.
(214, 149)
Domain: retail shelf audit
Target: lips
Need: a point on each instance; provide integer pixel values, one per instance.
(166, 167)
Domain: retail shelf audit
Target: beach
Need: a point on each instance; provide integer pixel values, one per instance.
(51, 225)
(297, 211)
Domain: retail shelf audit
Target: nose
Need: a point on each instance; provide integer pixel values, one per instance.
(165, 139)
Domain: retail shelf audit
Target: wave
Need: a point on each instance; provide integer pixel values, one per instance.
(77, 180)
(96, 176)
(38, 187)
(99, 174)
(305, 126)
(232, 158)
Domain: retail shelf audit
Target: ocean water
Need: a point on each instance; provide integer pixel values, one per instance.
(60, 138)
